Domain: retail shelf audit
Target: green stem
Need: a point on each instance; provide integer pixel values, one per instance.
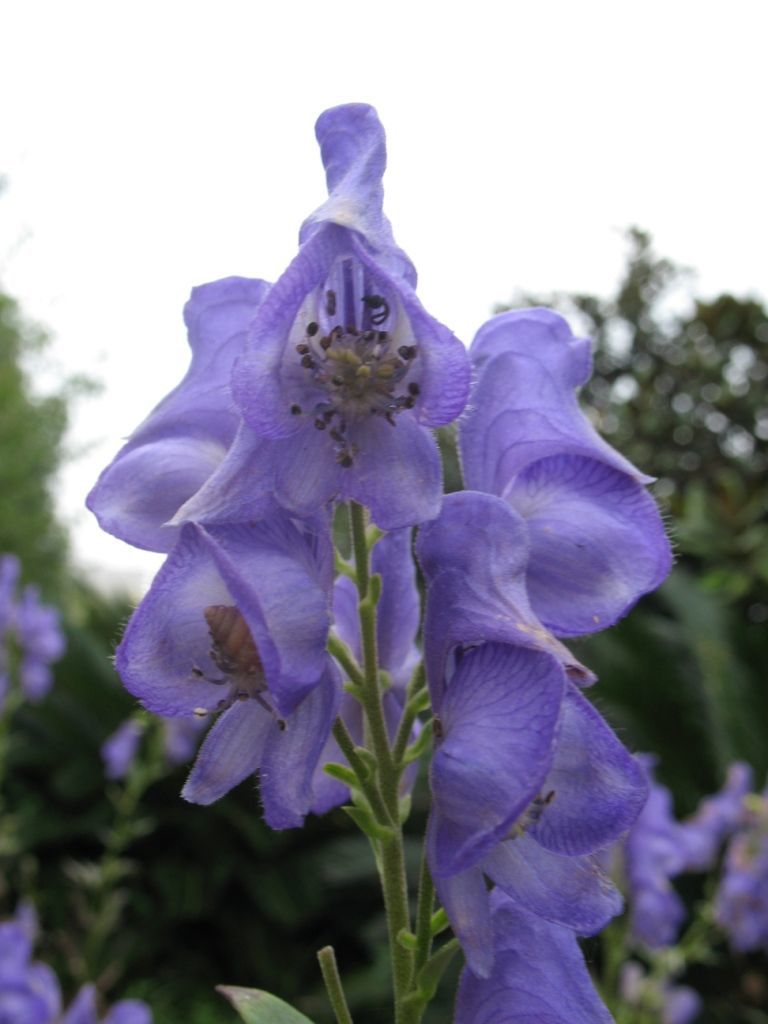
(343, 655)
(391, 858)
(426, 901)
(410, 713)
(360, 768)
(333, 987)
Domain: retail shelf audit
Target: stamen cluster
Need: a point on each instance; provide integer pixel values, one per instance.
(360, 372)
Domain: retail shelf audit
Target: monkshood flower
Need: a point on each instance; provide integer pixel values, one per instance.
(344, 372)
(397, 624)
(528, 781)
(717, 817)
(597, 540)
(183, 440)
(670, 1003)
(655, 851)
(741, 902)
(538, 977)
(235, 624)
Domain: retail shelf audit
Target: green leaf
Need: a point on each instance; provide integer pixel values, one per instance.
(257, 1007)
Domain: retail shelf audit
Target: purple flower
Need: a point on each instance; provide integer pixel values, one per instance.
(184, 439)
(181, 738)
(127, 1011)
(528, 783)
(528, 780)
(538, 977)
(120, 749)
(344, 372)
(741, 902)
(29, 991)
(716, 818)
(655, 851)
(597, 542)
(236, 623)
(37, 630)
(475, 560)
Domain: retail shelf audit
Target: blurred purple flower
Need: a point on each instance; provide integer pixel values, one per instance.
(741, 901)
(83, 1010)
(344, 371)
(180, 444)
(120, 749)
(181, 738)
(538, 976)
(716, 818)
(673, 1004)
(597, 542)
(36, 629)
(236, 623)
(30, 991)
(655, 851)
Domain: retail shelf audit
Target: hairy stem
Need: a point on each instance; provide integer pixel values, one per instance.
(333, 987)
(390, 859)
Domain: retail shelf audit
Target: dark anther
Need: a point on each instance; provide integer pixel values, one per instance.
(312, 329)
(330, 303)
(345, 460)
(281, 724)
(337, 333)
(351, 329)
(308, 362)
(407, 351)
(325, 343)
(437, 728)
(414, 388)
(338, 381)
(409, 402)
(369, 335)
(328, 415)
(320, 423)
(336, 435)
(380, 304)
(295, 410)
(302, 349)
(383, 336)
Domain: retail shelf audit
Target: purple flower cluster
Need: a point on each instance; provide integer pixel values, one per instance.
(741, 902)
(658, 848)
(30, 991)
(35, 629)
(325, 388)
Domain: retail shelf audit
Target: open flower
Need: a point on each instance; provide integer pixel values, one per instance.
(344, 372)
(597, 542)
(235, 624)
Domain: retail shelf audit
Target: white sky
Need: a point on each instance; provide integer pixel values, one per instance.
(152, 146)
